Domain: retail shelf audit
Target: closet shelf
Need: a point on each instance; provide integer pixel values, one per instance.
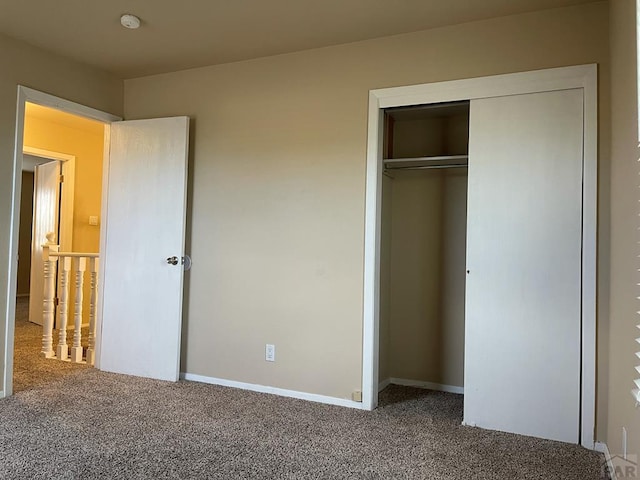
(443, 161)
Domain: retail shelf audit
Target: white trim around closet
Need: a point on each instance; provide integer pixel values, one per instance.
(584, 77)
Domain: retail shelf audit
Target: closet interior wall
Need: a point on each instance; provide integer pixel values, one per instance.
(423, 250)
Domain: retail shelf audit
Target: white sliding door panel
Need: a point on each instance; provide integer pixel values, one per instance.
(523, 296)
(142, 298)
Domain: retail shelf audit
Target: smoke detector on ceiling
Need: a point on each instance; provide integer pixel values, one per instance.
(130, 21)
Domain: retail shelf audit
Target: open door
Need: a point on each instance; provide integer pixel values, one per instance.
(46, 218)
(143, 248)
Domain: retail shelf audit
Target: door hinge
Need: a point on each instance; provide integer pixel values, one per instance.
(61, 178)
(56, 301)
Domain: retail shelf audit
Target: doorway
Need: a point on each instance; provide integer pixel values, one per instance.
(145, 163)
(50, 179)
(582, 80)
(423, 245)
(50, 175)
(47, 109)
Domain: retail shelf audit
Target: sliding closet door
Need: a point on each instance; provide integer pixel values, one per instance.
(522, 350)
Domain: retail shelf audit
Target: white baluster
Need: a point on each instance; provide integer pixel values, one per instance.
(63, 308)
(76, 350)
(48, 308)
(91, 349)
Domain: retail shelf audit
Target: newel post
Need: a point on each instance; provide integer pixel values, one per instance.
(48, 312)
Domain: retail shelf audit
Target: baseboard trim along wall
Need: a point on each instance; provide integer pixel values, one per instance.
(384, 384)
(1, 393)
(601, 447)
(420, 384)
(312, 397)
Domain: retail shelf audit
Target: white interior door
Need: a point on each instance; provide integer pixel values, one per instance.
(46, 216)
(145, 225)
(523, 316)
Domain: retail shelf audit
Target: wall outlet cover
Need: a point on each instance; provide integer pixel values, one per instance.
(270, 352)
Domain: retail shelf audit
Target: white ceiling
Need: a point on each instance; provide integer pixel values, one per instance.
(183, 34)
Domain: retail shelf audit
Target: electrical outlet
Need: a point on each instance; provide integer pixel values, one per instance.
(270, 353)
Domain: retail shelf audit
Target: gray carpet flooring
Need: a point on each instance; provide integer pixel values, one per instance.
(30, 370)
(74, 422)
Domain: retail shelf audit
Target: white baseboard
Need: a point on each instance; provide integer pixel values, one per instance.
(312, 397)
(602, 448)
(384, 384)
(1, 393)
(420, 384)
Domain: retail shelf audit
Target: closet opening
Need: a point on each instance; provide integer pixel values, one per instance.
(423, 246)
(529, 264)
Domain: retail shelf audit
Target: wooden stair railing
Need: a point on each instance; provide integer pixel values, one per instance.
(78, 263)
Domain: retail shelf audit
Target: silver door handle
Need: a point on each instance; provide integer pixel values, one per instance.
(172, 260)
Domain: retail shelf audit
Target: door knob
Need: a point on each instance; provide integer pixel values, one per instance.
(172, 260)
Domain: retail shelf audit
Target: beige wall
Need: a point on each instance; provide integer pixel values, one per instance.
(384, 334)
(431, 136)
(24, 240)
(454, 261)
(278, 173)
(22, 64)
(415, 316)
(426, 276)
(87, 145)
(619, 406)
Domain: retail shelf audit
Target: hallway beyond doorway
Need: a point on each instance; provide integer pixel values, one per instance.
(30, 369)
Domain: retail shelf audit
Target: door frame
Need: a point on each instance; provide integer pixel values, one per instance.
(581, 77)
(68, 171)
(65, 228)
(26, 94)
